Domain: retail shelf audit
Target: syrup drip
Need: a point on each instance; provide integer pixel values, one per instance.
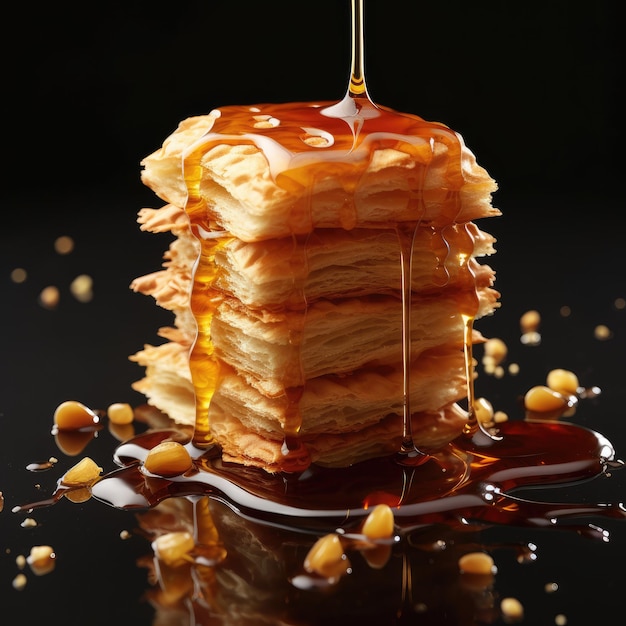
(350, 131)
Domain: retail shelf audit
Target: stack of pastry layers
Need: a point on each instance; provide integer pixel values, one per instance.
(348, 351)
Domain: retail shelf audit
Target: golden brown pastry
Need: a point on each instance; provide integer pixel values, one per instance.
(288, 221)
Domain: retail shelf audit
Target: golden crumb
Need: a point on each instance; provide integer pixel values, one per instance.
(83, 474)
(82, 288)
(41, 560)
(499, 417)
(120, 413)
(63, 244)
(19, 275)
(602, 332)
(29, 522)
(563, 381)
(19, 582)
(496, 349)
(168, 458)
(49, 297)
(542, 399)
(530, 321)
(512, 610)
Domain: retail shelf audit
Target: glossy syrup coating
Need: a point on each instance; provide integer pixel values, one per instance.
(355, 146)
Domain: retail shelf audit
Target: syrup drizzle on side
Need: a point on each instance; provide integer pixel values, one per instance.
(468, 480)
(339, 141)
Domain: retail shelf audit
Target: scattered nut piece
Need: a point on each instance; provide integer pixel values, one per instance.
(20, 561)
(602, 332)
(19, 275)
(530, 321)
(379, 523)
(120, 413)
(1, 501)
(168, 458)
(496, 350)
(19, 582)
(174, 548)
(83, 474)
(499, 417)
(49, 297)
(327, 558)
(82, 288)
(514, 369)
(620, 303)
(551, 587)
(477, 563)
(124, 534)
(560, 619)
(28, 522)
(72, 415)
(542, 399)
(41, 560)
(512, 610)
(565, 311)
(63, 244)
(563, 381)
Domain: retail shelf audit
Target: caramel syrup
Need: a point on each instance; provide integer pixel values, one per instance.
(473, 477)
(304, 144)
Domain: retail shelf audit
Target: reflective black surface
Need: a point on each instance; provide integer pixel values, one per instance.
(100, 96)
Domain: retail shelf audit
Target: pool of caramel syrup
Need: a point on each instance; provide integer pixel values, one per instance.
(473, 477)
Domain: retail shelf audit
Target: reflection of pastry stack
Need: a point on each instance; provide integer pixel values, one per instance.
(252, 580)
(303, 288)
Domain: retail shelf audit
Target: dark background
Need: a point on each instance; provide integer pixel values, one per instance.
(89, 89)
(532, 86)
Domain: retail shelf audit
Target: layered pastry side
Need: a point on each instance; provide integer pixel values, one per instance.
(324, 269)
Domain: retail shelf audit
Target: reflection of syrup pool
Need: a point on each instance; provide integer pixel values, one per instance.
(253, 529)
(462, 482)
